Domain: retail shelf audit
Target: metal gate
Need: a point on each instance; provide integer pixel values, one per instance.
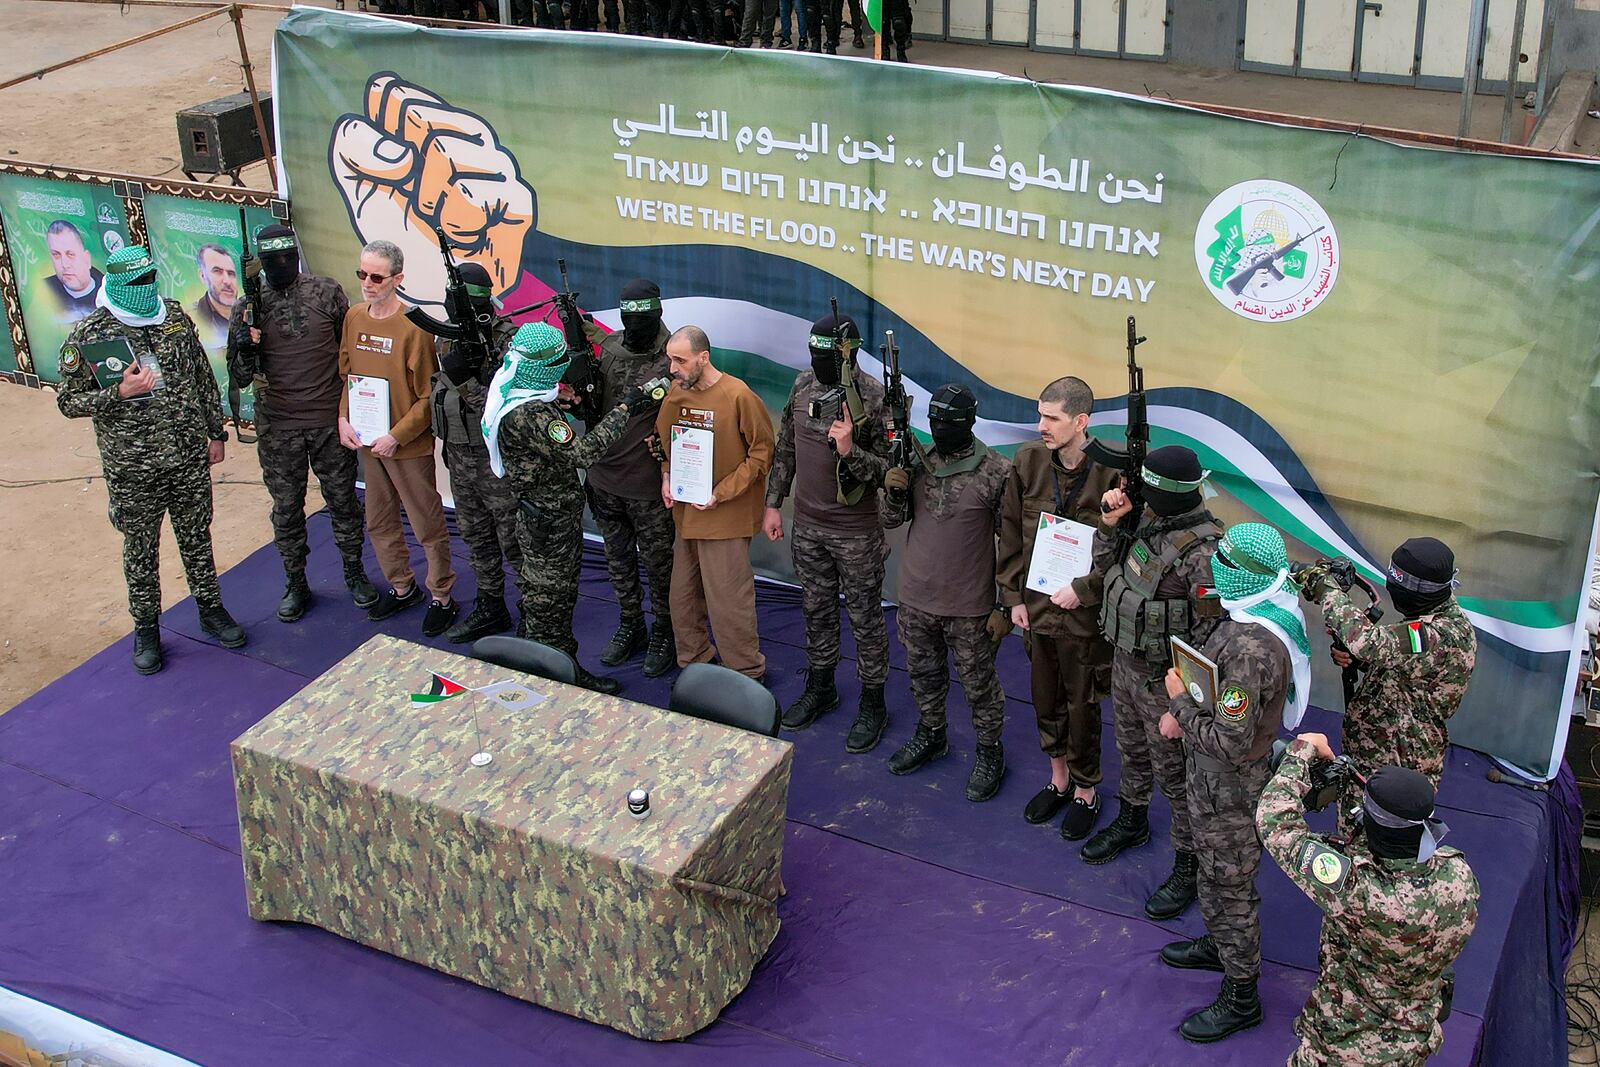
(1120, 29)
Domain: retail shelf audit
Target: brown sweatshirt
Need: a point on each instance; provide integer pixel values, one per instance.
(395, 349)
(741, 455)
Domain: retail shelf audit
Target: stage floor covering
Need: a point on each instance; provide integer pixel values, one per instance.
(918, 927)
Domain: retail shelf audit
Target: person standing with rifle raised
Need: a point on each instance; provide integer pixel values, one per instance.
(283, 341)
(831, 450)
(1055, 488)
(473, 342)
(1157, 565)
(951, 496)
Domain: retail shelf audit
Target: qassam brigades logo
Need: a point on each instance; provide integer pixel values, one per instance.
(1267, 251)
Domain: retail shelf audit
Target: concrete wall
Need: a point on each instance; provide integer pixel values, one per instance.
(1575, 44)
(1206, 33)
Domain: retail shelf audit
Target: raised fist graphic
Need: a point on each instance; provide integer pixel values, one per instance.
(412, 163)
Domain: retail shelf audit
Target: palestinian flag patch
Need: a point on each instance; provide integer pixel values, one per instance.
(441, 689)
(1414, 638)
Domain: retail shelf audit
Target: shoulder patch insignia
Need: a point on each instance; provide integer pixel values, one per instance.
(560, 432)
(1323, 865)
(69, 358)
(1416, 641)
(1233, 703)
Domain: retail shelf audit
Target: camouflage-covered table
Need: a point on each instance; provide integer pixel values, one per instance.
(360, 812)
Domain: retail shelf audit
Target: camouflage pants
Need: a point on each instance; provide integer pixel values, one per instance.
(636, 531)
(552, 558)
(138, 500)
(929, 639)
(1222, 816)
(486, 513)
(824, 562)
(287, 457)
(1139, 699)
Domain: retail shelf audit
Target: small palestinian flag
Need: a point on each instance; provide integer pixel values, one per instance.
(441, 689)
(1414, 635)
(874, 12)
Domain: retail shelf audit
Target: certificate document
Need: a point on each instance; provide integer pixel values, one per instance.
(1198, 674)
(369, 406)
(690, 472)
(1062, 550)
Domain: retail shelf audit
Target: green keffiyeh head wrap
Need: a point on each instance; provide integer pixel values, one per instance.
(131, 281)
(538, 355)
(1251, 572)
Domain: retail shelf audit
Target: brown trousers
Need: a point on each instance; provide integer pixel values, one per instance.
(1071, 675)
(391, 484)
(714, 580)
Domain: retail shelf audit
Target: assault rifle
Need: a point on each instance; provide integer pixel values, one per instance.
(470, 331)
(897, 408)
(1267, 261)
(1344, 574)
(1130, 458)
(249, 352)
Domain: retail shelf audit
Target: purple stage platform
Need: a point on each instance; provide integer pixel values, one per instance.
(918, 927)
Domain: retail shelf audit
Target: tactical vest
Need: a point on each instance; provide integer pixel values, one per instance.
(1135, 620)
(454, 421)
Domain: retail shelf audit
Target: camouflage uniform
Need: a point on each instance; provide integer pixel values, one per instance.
(154, 451)
(1405, 699)
(289, 452)
(1390, 929)
(963, 509)
(542, 459)
(1138, 691)
(1227, 751)
(636, 528)
(485, 506)
(828, 558)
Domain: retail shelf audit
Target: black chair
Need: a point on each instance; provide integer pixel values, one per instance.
(717, 694)
(529, 657)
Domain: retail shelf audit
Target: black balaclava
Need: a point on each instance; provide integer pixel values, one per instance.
(1421, 576)
(826, 359)
(480, 292)
(951, 414)
(641, 314)
(280, 255)
(1397, 813)
(1172, 477)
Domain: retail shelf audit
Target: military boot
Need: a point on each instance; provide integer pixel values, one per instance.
(662, 655)
(820, 696)
(488, 616)
(597, 683)
(1130, 829)
(987, 770)
(219, 624)
(871, 718)
(1237, 1007)
(1198, 955)
(147, 647)
(1178, 891)
(629, 639)
(296, 599)
(925, 746)
(355, 580)
(856, 41)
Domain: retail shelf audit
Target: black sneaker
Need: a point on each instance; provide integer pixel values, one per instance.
(439, 617)
(391, 603)
(1080, 819)
(1046, 803)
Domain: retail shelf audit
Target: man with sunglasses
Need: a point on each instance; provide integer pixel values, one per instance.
(1415, 671)
(136, 368)
(1262, 666)
(291, 358)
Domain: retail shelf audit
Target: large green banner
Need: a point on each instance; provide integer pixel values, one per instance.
(1364, 341)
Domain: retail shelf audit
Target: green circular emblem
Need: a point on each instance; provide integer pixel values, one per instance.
(560, 432)
(69, 357)
(1326, 868)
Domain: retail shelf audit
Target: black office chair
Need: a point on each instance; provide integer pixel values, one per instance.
(717, 694)
(529, 657)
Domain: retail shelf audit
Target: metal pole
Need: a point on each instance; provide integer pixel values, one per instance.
(505, 12)
(1513, 66)
(1469, 77)
(267, 141)
(42, 71)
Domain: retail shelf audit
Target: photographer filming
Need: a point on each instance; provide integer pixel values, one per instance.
(1397, 910)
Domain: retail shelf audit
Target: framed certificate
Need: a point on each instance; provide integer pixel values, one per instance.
(1199, 675)
(369, 406)
(690, 473)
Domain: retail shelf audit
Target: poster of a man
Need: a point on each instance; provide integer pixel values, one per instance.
(76, 280)
(220, 275)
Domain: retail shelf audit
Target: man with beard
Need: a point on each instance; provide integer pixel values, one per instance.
(947, 593)
(290, 356)
(1153, 593)
(624, 487)
(834, 458)
(1070, 658)
(213, 310)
